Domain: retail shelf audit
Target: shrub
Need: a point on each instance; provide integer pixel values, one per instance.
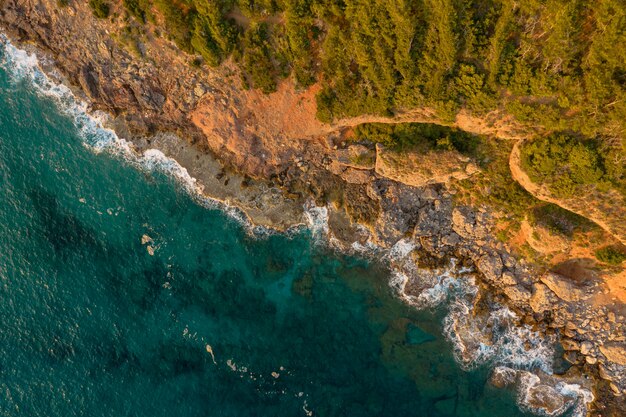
(558, 220)
(137, 8)
(564, 163)
(257, 62)
(100, 8)
(418, 136)
(610, 255)
(178, 23)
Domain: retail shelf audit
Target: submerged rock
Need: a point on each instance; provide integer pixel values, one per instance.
(546, 399)
(417, 336)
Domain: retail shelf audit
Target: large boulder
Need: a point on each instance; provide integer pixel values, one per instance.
(419, 169)
(615, 352)
(490, 265)
(542, 298)
(564, 288)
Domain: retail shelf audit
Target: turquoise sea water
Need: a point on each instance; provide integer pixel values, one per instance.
(213, 323)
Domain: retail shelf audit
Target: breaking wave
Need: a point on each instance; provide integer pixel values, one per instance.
(90, 126)
(495, 338)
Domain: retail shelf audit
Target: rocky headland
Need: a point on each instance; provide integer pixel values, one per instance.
(268, 155)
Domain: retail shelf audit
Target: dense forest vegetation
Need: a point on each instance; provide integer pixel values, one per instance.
(420, 137)
(560, 64)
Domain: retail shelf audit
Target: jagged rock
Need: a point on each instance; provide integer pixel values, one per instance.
(604, 374)
(544, 397)
(517, 293)
(508, 278)
(355, 176)
(569, 344)
(491, 267)
(615, 389)
(562, 287)
(356, 156)
(451, 240)
(611, 317)
(614, 352)
(503, 377)
(418, 169)
(401, 212)
(465, 224)
(542, 298)
(586, 347)
(199, 90)
(571, 357)
(88, 80)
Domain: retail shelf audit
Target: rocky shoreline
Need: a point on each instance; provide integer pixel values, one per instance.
(265, 170)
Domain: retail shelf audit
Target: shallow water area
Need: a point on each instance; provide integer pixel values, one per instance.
(121, 295)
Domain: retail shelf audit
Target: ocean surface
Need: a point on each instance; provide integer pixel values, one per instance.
(122, 294)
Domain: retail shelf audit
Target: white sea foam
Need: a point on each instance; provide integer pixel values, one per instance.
(493, 338)
(497, 339)
(317, 220)
(25, 67)
(401, 249)
(572, 398)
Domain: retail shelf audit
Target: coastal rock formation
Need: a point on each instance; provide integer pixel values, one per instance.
(418, 170)
(274, 156)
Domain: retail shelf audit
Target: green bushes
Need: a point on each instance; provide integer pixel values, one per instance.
(610, 255)
(257, 62)
(100, 8)
(215, 35)
(565, 163)
(178, 23)
(495, 185)
(418, 137)
(559, 220)
(138, 8)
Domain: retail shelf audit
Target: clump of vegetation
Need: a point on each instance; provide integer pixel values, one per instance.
(375, 56)
(178, 22)
(558, 220)
(420, 137)
(257, 60)
(100, 8)
(495, 186)
(610, 255)
(566, 164)
(138, 9)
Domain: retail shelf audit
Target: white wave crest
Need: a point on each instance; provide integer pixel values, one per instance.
(401, 249)
(317, 220)
(549, 399)
(90, 126)
(496, 339)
